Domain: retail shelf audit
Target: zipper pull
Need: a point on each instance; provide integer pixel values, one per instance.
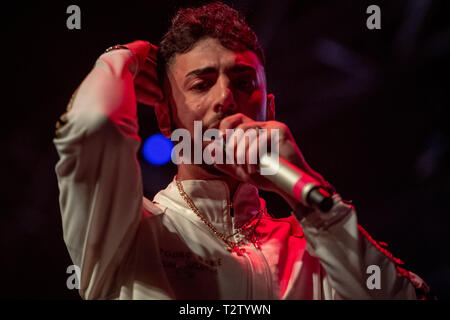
(235, 248)
(256, 243)
(230, 209)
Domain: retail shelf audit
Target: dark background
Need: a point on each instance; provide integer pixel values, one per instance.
(367, 108)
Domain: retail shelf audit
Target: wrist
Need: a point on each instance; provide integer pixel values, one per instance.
(136, 51)
(121, 54)
(313, 195)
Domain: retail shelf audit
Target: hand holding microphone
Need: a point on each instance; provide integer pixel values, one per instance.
(283, 171)
(297, 183)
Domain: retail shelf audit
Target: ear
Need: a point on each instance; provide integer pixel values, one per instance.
(270, 112)
(163, 112)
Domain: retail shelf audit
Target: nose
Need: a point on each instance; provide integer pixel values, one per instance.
(224, 97)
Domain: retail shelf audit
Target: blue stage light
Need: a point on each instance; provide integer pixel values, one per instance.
(157, 149)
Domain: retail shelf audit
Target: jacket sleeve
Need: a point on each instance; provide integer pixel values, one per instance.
(98, 173)
(356, 266)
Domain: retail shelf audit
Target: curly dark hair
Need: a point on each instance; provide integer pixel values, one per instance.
(215, 20)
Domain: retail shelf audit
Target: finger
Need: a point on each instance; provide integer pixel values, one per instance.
(147, 97)
(148, 70)
(251, 125)
(148, 84)
(257, 148)
(239, 135)
(251, 155)
(140, 50)
(145, 84)
(151, 98)
(232, 121)
(149, 64)
(249, 130)
(271, 134)
(254, 144)
(241, 147)
(153, 52)
(237, 152)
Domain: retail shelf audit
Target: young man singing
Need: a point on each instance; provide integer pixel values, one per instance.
(208, 234)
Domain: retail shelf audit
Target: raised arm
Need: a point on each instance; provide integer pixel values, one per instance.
(98, 173)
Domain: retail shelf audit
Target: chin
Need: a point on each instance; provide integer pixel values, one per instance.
(214, 171)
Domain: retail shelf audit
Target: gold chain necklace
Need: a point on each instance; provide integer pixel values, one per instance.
(231, 245)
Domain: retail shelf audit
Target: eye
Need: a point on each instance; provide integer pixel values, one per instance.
(245, 84)
(200, 86)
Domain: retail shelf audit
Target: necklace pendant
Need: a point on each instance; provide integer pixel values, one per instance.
(257, 244)
(235, 248)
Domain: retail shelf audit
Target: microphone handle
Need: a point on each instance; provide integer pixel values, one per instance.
(297, 183)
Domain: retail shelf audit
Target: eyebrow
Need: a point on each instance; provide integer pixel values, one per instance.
(242, 68)
(208, 70)
(201, 71)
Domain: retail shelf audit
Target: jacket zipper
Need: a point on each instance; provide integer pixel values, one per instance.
(267, 272)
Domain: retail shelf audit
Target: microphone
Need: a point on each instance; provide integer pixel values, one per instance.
(296, 183)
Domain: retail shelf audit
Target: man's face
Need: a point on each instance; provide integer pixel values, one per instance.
(210, 82)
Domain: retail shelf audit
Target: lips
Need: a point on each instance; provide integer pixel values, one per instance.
(216, 122)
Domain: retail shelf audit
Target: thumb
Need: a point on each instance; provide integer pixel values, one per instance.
(140, 49)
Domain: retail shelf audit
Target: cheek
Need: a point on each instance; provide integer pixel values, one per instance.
(185, 107)
(190, 109)
(254, 106)
(196, 107)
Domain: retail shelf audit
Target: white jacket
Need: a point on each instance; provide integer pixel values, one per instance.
(131, 248)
